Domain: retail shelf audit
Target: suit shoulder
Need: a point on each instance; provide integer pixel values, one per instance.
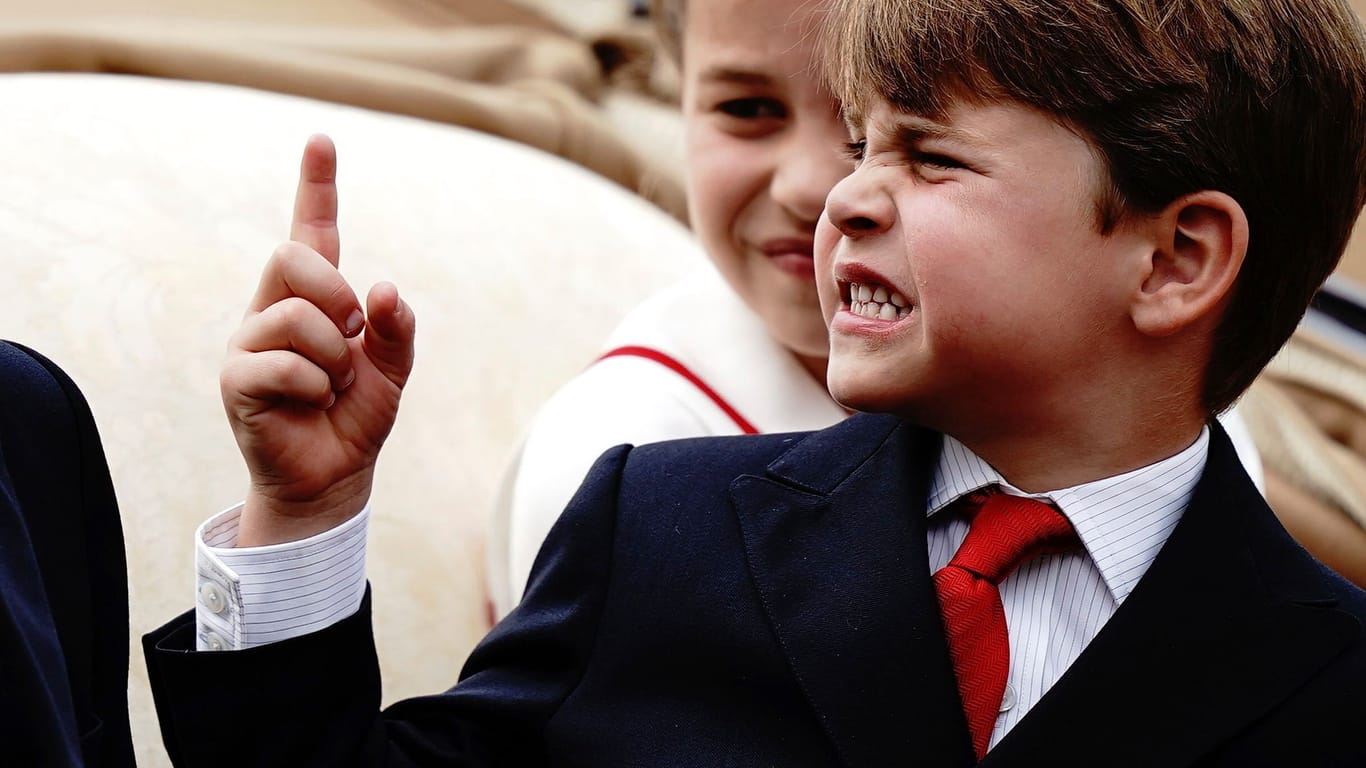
(691, 473)
(817, 456)
(45, 421)
(29, 380)
(23, 369)
(706, 456)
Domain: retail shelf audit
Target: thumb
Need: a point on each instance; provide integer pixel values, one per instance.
(389, 333)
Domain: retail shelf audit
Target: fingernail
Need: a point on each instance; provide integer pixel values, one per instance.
(354, 321)
(349, 380)
(331, 398)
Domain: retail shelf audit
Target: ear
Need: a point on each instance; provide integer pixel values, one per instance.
(1199, 242)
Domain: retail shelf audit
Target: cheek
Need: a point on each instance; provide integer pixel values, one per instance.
(827, 290)
(965, 251)
(723, 178)
(965, 276)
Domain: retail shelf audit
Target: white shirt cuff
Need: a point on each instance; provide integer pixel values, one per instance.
(257, 595)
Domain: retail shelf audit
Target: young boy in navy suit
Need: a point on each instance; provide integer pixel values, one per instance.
(1075, 233)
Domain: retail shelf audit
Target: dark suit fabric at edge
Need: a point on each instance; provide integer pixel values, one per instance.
(63, 577)
(767, 601)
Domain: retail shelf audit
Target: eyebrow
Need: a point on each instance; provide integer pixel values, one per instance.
(738, 76)
(917, 128)
(909, 129)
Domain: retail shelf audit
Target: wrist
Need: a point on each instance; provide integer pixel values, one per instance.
(269, 518)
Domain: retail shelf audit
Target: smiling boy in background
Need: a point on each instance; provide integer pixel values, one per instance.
(740, 349)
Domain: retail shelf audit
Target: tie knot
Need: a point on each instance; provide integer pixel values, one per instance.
(1006, 531)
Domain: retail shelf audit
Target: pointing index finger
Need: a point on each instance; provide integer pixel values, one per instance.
(315, 202)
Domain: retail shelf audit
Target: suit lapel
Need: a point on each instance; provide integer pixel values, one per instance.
(835, 543)
(1231, 618)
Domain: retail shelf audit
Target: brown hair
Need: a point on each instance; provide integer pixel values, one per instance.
(1261, 100)
(668, 18)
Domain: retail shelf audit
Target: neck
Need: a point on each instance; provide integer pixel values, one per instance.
(1135, 405)
(815, 366)
(1047, 455)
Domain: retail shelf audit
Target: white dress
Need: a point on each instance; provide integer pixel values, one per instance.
(713, 370)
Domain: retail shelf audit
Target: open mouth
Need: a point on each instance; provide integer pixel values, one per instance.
(875, 302)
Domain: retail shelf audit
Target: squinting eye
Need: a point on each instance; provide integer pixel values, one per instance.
(854, 149)
(755, 108)
(937, 161)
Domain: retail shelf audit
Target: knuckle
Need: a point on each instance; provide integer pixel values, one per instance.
(292, 311)
(284, 255)
(227, 379)
(242, 374)
(297, 319)
(286, 369)
(235, 341)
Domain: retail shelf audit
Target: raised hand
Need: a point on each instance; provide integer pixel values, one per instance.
(311, 383)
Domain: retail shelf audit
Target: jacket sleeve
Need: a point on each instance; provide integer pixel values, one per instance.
(314, 700)
(62, 567)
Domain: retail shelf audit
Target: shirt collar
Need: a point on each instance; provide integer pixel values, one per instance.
(1122, 521)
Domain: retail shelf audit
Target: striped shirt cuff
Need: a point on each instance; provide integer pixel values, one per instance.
(257, 595)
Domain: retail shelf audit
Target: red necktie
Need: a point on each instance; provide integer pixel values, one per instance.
(1005, 532)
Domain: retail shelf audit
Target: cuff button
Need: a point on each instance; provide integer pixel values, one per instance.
(213, 597)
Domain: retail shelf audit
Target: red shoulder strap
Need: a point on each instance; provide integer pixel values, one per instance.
(682, 370)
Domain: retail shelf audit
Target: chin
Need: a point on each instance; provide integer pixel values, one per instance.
(860, 391)
(899, 387)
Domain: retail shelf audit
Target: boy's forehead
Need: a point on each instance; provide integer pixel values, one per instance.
(916, 54)
(879, 114)
(754, 20)
(766, 43)
(932, 99)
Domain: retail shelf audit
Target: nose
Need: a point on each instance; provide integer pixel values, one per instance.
(809, 166)
(857, 208)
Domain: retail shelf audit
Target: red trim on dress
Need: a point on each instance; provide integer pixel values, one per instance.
(682, 370)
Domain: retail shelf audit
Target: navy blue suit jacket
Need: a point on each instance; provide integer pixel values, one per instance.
(63, 580)
(767, 601)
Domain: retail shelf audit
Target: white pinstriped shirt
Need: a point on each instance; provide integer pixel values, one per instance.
(1054, 605)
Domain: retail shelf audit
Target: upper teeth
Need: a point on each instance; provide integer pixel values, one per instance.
(876, 301)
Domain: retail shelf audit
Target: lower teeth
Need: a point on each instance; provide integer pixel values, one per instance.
(875, 311)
